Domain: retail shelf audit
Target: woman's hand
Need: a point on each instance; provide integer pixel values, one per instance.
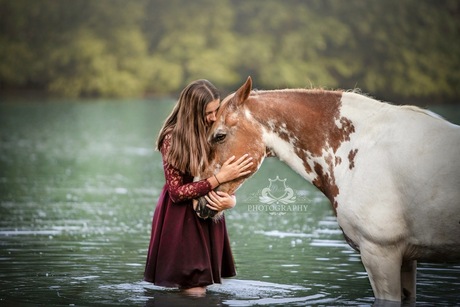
(233, 169)
(220, 201)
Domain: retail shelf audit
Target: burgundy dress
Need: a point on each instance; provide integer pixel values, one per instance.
(185, 251)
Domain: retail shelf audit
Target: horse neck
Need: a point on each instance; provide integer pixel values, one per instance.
(306, 130)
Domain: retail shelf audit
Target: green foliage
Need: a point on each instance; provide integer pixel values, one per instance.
(295, 42)
(88, 65)
(113, 48)
(196, 39)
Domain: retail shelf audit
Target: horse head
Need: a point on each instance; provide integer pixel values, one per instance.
(234, 133)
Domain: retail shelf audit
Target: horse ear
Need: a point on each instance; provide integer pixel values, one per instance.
(243, 92)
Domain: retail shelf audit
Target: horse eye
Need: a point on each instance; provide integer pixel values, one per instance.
(219, 137)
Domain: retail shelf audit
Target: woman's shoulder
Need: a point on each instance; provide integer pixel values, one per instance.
(166, 143)
(167, 139)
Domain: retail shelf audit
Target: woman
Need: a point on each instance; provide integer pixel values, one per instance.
(186, 251)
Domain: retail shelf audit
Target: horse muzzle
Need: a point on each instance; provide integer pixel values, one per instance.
(203, 211)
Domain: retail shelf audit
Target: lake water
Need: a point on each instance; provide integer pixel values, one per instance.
(78, 185)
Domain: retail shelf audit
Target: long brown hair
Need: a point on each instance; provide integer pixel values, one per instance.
(187, 124)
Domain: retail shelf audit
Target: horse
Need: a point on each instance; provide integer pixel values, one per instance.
(391, 173)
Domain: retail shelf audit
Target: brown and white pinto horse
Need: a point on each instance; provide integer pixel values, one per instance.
(391, 173)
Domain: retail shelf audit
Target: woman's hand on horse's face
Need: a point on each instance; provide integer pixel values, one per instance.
(233, 169)
(220, 200)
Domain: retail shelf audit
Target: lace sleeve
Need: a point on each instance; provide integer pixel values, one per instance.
(178, 190)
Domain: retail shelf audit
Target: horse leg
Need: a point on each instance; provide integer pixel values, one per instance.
(383, 266)
(408, 279)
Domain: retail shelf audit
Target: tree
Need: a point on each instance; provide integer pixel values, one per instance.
(392, 49)
(191, 40)
(74, 48)
(287, 43)
(403, 49)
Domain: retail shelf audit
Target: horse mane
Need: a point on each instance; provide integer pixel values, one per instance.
(357, 91)
(422, 111)
(256, 92)
(406, 107)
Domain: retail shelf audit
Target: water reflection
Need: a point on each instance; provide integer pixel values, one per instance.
(78, 184)
(232, 292)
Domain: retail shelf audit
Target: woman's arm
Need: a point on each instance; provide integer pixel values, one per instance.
(220, 201)
(180, 191)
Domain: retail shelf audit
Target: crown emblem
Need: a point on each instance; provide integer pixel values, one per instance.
(277, 192)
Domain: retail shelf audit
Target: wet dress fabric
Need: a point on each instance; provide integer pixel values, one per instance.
(185, 251)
